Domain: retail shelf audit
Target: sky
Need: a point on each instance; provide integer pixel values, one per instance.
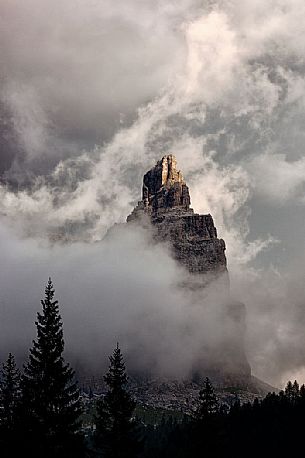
(92, 93)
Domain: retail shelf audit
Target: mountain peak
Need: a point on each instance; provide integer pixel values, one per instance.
(166, 205)
(165, 173)
(164, 187)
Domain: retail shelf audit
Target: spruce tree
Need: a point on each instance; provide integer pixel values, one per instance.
(296, 391)
(9, 403)
(302, 392)
(50, 401)
(289, 391)
(208, 403)
(116, 432)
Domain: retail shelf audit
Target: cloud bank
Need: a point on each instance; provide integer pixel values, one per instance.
(122, 289)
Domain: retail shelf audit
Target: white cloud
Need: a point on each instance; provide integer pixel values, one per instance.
(276, 179)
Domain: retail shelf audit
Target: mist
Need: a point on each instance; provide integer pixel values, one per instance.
(91, 95)
(124, 289)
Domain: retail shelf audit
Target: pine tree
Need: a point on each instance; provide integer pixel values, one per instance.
(296, 391)
(9, 403)
(116, 431)
(289, 390)
(292, 391)
(50, 401)
(208, 403)
(9, 392)
(302, 392)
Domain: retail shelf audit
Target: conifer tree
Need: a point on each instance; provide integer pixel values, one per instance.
(9, 402)
(292, 392)
(50, 401)
(116, 431)
(289, 390)
(302, 392)
(9, 391)
(296, 391)
(208, 403)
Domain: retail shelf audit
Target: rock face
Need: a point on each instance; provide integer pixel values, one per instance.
(192, 238)
(166, 203)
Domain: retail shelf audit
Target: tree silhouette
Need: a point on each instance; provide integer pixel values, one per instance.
(116, 431)
(50, 401)
(9, 403)
(208, 403)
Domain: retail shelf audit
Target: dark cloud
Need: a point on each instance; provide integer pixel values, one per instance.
(73, 72)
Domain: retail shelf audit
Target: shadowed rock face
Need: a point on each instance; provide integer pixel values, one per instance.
(166, 203)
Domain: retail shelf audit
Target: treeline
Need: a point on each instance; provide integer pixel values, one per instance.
(41, 409)
(41, 412)
(271, 427)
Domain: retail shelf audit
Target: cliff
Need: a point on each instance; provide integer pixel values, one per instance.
(166, 204)
(192, 238)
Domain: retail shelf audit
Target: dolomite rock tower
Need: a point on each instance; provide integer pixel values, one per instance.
(192, 238)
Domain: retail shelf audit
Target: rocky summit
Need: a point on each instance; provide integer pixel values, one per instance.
(166, 204)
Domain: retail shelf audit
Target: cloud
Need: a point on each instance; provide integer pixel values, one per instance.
(96, 95)
(126, 288)
(275, 320)
(276, 179)
(110, 189)
(73, 71)
(123, 289)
